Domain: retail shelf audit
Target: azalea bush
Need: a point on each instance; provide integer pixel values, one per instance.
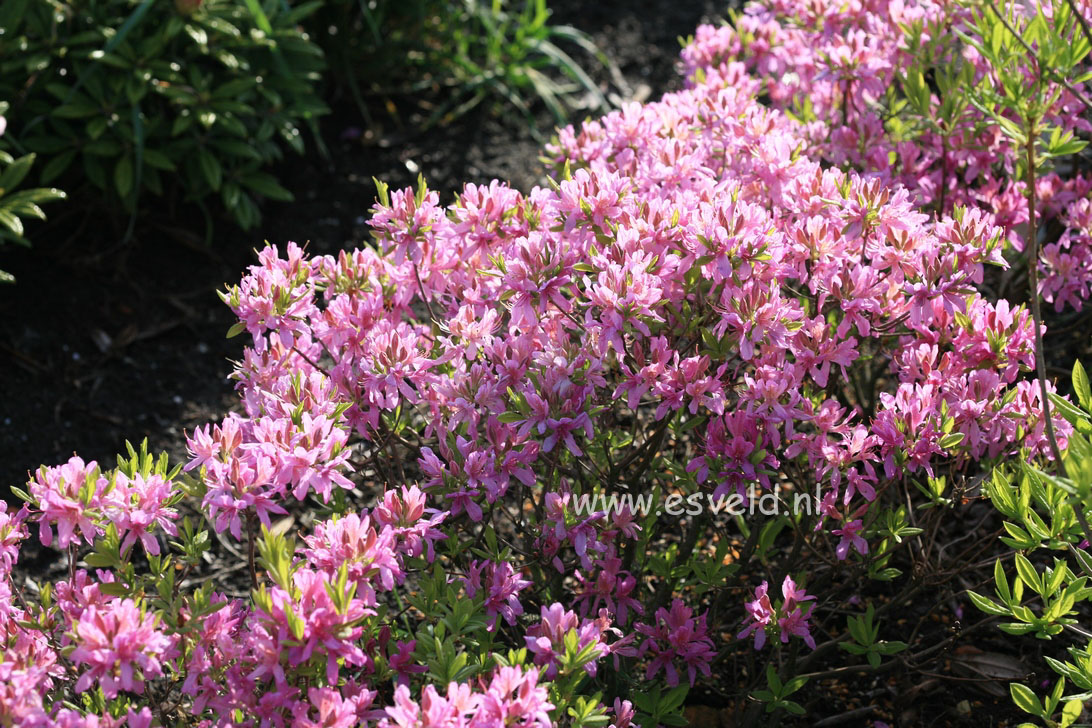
(681, 420)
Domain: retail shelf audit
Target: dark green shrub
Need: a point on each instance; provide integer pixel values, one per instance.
(17, 205)
(187, 100)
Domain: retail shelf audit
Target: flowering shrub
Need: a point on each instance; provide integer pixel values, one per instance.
(716, 302)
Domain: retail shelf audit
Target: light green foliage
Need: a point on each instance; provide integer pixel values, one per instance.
(866, 639)
(1033, 60)
(1048, 512)
(776, 693)
(470, 51)
(657, 707)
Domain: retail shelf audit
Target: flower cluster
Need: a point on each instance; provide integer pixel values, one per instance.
(512, 697)
(833, 66)
(677, 635)
(790, 616)
(120, 646)
(546, 640)
(77, 500)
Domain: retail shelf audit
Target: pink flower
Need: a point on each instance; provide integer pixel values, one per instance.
(513, 698)
(502, 586)
(334, 711)
(794, 619)
(69, 496)
(851, 537)
(760, 613)
(367, 553)
(624, 713)
(546, 639)
(414, 525)
(677, 635)
(402, 663)
(13, 532)
(612, 587)
(137, 506)
(120, 646)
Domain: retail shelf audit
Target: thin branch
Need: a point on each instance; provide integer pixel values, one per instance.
(1033, 292)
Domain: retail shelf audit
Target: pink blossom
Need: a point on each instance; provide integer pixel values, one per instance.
(69, 496)
(121, 647)
(677, 636)
(851, 537)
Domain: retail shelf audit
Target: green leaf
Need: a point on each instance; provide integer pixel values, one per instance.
(1083, 558)
(1071, 711)
(1072, 414)
(1025, 699)
(988, 605)
(158, 160)
(99, 560)
(15, 173)
(230, 195)
(793, 707)
(102, 148)
(1020, 538)
(260, 18)
(951, 440)
(773, 680)
(996, 39)
(75, 110)
(1001, 581)
(1028, 574)
(210, 168)
(234, 88)
(114, 589)
(12, 223)
(123, 176)
(96, 127)
(38, 195)
(266, 185)
(1081, 386)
